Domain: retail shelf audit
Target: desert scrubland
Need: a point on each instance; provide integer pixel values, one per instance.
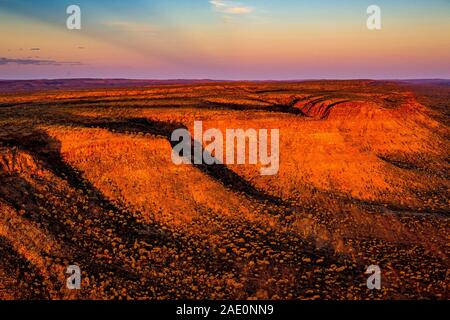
(86, 178)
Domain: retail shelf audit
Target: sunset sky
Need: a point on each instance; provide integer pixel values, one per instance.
(220, 39)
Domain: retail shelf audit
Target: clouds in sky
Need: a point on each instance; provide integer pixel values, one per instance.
(39, 62)
(230, 7)
(224, 39)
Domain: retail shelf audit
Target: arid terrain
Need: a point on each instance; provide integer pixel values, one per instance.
(86, 178)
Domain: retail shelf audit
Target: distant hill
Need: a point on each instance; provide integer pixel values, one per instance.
(427, 81)
(91, 83)
(56, 84)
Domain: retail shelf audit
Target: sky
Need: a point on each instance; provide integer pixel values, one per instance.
(225, 39)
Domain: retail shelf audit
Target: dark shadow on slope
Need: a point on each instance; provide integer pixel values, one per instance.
(269, 107)
(398, 163)
(219, 172)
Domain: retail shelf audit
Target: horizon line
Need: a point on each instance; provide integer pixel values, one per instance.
(229, 80)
